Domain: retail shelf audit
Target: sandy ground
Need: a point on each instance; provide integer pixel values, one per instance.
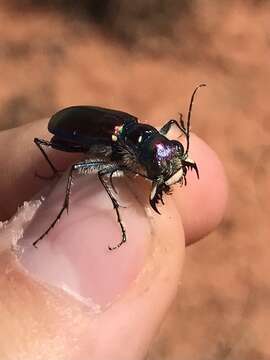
(49, 61)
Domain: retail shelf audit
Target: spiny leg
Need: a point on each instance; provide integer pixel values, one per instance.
(64, 207)
(111, 182)
(101, 175)
(39, 143)
(81, 166)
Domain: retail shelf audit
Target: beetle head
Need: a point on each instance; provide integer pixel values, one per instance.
(172, 171)
(177, 162)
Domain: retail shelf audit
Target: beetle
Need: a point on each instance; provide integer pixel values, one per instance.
(116, 142)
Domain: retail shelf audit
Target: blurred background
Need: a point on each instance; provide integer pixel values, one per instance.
(146, 57)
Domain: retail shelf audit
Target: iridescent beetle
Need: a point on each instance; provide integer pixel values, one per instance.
(114, 141)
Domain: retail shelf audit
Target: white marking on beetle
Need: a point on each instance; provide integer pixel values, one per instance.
(153, 191)
(118, 173)
(190, 160)
(140, 139)
(175, 177)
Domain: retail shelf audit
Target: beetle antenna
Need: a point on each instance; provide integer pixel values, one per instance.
(189, 116)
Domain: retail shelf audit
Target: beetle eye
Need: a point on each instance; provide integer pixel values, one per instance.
(179, 146)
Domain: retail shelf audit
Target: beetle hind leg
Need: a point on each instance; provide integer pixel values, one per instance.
(56, 173)
(167, 126)
(64, 206)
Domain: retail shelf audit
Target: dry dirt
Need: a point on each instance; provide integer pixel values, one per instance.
(49, 60)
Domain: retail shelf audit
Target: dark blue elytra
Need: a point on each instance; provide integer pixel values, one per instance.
(86, 125)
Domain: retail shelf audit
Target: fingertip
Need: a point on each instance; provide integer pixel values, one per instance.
(202, 203)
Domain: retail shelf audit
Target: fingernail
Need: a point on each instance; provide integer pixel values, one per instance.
(75, 255)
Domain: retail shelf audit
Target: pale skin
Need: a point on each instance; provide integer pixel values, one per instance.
(132, 287)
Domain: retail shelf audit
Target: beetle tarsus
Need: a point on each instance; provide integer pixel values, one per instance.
(124, 239)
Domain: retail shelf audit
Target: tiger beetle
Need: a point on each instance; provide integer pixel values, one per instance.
(116, 142)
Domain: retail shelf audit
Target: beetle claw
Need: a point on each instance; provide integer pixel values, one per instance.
(153, 204)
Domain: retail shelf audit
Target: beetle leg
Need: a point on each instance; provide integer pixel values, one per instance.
(39, 143)
(111, 182)
(64, 207)
(75, 167)
(101, 175)
(167, 127)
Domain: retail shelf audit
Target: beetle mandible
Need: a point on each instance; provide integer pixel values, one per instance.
(115, 141)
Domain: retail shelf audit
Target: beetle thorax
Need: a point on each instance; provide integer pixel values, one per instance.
(161, 157)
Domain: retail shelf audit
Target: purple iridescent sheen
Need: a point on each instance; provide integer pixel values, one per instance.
(164, 152)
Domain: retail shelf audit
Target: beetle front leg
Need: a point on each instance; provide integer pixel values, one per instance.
(167, 127)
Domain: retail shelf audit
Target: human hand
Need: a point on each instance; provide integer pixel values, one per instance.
(119, 297)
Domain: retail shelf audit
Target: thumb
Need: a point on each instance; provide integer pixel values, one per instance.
(72, 298)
